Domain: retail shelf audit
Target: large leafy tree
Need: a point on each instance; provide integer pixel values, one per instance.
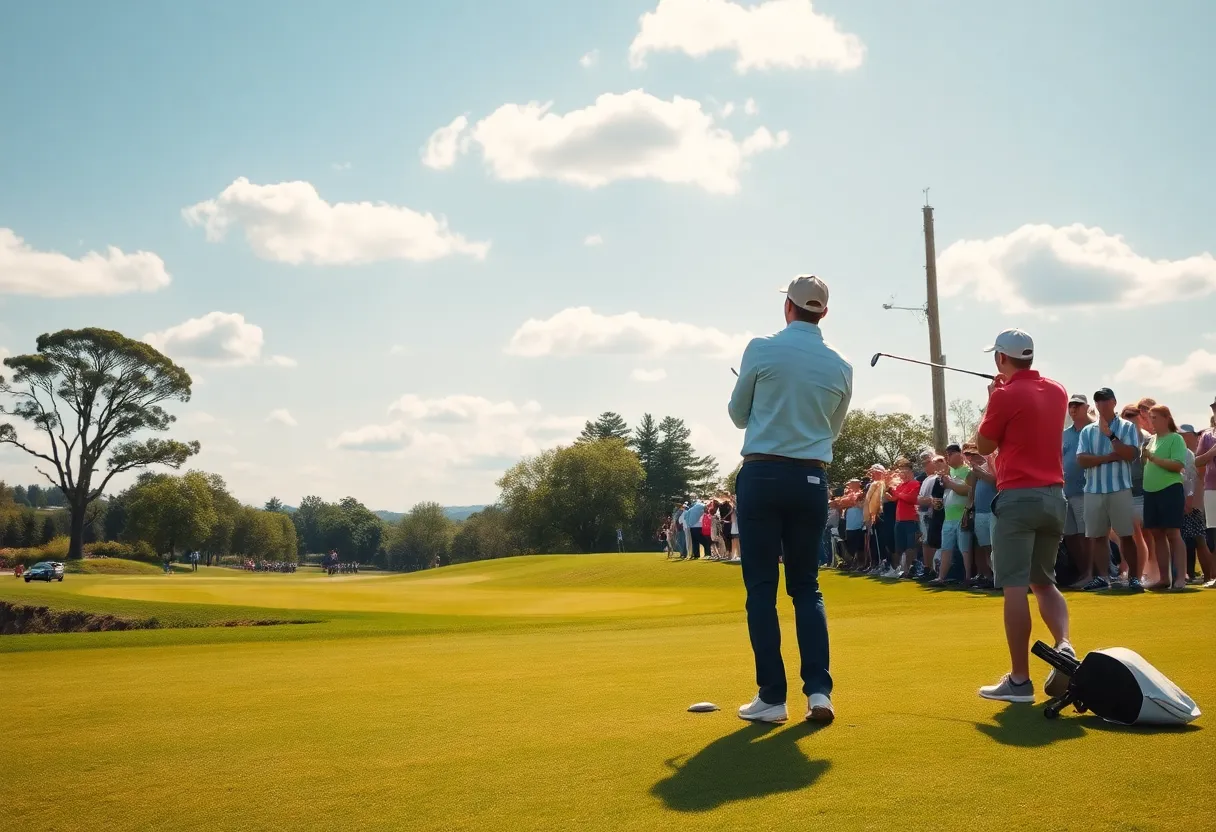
(607, 425)
(527, 499)
(172, 512)
(88, 393)
(594, 488)
(485, 535)
(868, 437)
(422, 539)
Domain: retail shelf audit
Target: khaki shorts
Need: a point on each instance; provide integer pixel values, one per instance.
(1104, 512)
(1074, 520)
(1027, 526)
(1209, 506)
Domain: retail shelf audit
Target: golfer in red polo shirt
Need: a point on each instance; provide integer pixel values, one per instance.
(1022, 425)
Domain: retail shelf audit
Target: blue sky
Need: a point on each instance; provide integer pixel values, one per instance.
(1068, 143)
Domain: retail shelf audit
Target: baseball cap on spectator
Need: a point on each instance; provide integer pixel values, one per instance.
(1105, 394)
(971, 449)
(878, 467)
(1187, 429)
(808, 292)
(1014, 343)
(1079, 398)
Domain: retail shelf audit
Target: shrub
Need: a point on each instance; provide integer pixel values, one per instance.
(57, 549)
(110, 549)
(142, 550)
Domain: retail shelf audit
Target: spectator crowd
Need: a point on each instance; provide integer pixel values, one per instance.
(1141, 509)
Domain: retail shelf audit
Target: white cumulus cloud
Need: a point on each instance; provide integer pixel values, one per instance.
(461, 430)
(220, 338)
(290, 223)
(580, 330)
(282, 417)
(459, 408)
(631, 135)
(445, 144)
(750, 108)
(593, 240)
(590, 59)
(49, 274)
(776, 34)
(1047, 269)
(644, 375)
(889, 403)
(1197, 370)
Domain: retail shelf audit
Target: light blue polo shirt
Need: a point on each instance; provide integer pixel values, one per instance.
(792, 394)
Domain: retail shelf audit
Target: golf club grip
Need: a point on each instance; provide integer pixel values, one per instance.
(1055, 658)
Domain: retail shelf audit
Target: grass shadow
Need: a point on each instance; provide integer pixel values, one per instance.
(1024, 726)
(755, 761)
(1097, 723)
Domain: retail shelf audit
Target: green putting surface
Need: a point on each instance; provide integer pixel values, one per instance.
(550, 693)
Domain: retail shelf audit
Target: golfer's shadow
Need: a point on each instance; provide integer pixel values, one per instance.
(755, 761)
(1024, 726)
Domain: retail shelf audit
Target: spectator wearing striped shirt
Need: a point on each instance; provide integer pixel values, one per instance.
(1105, 450)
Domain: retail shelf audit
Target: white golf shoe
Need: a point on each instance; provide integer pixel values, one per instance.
(819, 708)
(761, 711)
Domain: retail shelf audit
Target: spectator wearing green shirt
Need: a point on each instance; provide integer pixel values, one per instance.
(1165, 496)
(953, 535)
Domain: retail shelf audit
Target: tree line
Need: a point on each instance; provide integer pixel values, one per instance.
(93, 395)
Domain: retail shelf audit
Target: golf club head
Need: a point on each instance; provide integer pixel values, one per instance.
(874, 360)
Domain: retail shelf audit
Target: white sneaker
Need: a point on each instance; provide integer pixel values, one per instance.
(1057, 682)
(819, 708)
(761, 711)
(891, 573)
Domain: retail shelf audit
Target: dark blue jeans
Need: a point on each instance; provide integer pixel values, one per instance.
(783, 510)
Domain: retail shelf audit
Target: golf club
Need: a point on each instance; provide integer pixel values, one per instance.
(878, 355)
(736, 372)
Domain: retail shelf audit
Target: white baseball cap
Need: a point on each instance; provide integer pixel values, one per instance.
(1014, 343)
(809, 292)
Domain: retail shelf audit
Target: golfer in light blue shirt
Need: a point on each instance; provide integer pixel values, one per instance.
(791, 399)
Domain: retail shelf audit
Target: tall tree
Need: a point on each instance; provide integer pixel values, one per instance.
(422, 539)
(172, 512)
(868, 437)
(652, 503)
(36, 496)
(593, 490)
(91, 391)
(607, 425)
(21, 496)
(966, 420)
(526, 498)
(274, 504)
(31, 530)
(48, 531)
(680, 470)
(485, 535)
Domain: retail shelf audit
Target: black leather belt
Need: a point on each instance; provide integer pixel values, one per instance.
(805, 463)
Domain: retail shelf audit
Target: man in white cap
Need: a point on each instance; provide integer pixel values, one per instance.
(1022, 420)
(791, 397)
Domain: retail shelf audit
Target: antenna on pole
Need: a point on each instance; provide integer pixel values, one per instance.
(926, 193)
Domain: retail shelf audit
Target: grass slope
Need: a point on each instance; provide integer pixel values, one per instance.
(436, 702)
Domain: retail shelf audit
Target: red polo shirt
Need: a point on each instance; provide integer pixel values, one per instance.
(907, 494)
(1024, 418)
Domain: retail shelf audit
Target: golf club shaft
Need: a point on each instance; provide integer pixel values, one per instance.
(937, 366)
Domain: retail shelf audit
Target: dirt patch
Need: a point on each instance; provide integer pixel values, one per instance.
(23, 619)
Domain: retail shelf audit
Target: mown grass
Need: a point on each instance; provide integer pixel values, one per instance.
(430, 702)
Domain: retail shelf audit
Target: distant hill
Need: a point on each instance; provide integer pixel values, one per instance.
(456, 513)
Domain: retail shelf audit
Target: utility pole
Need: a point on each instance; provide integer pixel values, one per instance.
(940, 431)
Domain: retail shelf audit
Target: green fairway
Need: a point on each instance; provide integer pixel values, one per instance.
(550, 693)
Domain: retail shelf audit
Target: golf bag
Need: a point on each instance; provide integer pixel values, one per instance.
(1119, 686)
